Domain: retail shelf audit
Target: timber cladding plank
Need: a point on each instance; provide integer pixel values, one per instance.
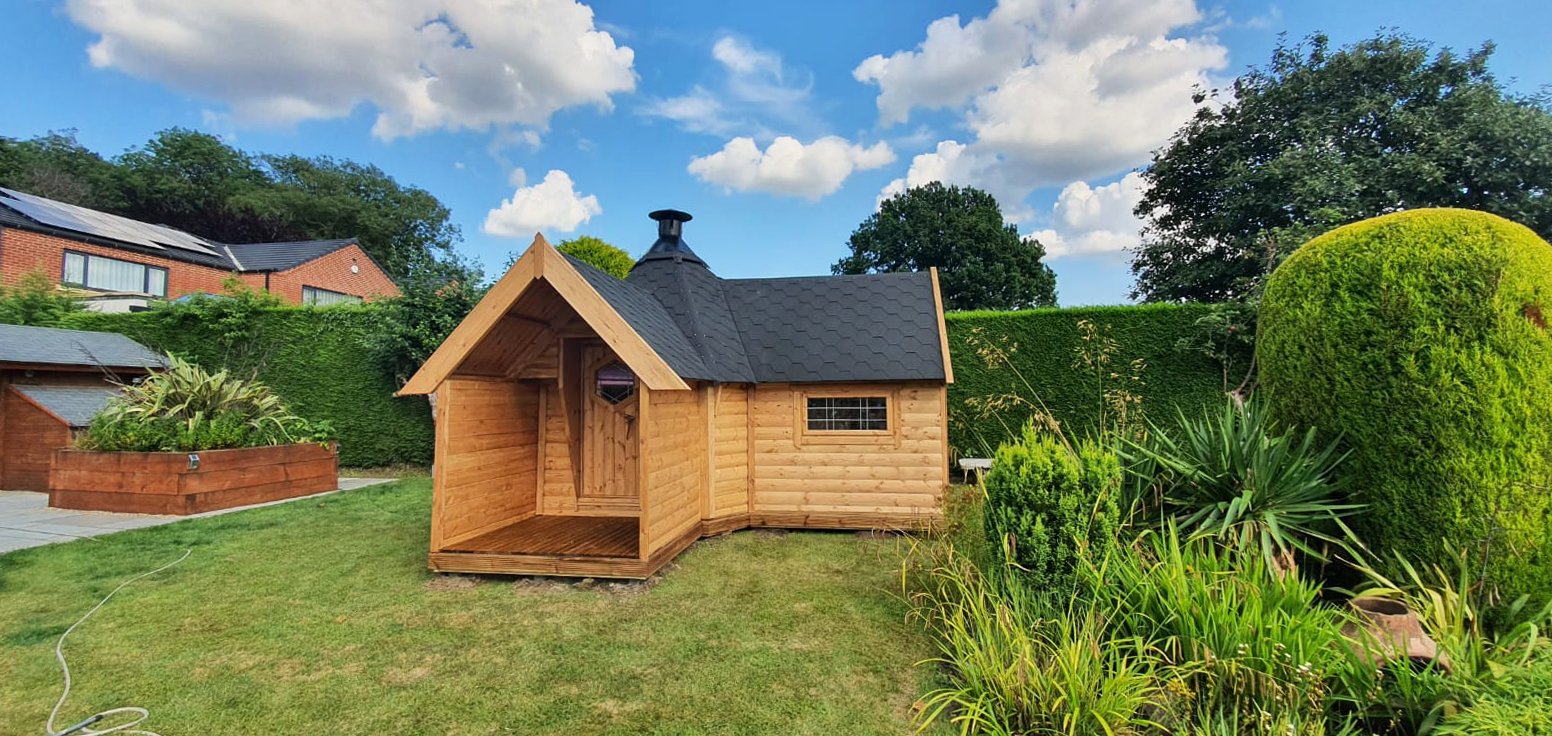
(879, 477)
(164, 482)
(487, 472)
(674, 456)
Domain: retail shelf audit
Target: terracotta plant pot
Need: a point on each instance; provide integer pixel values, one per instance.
(1387, 631)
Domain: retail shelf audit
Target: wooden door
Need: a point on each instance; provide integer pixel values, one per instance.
(609, 428)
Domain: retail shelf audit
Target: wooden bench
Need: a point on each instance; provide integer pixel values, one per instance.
(974, 467)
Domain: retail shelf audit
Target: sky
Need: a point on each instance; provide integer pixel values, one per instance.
(779, 126)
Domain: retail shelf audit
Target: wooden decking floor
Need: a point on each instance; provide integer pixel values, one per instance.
(584, 536)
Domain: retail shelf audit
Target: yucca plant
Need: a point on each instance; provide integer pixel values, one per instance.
(187, 408)
(1237, 477)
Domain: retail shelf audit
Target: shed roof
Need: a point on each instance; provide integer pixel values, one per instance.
(76, 405)
(51, 346)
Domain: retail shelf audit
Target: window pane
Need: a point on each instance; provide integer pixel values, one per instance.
(865, 413)
(314, 296)
(75, 269)
(156, 282)
(113, 275)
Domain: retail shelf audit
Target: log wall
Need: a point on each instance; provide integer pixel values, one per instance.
(802, 478)
(674, 465)
(730, 452)
(486, 472)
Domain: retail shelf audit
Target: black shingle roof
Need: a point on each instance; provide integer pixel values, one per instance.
(281, 256)
(74, 404)
(839, 328)
(50, 346)
(877, 327)
(649, 319)
(248, 257)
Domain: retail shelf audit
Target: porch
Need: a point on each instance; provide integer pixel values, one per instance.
(589, 546)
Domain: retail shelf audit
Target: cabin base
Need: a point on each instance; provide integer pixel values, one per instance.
(607, 547)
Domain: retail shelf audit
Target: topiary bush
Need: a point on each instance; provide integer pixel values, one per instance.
(1048, 503)
(1420, 338)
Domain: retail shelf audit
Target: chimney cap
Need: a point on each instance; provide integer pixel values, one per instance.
(673, 215)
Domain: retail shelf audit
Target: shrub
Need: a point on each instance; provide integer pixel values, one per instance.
(1035, 360)
(595, 252)
(1420, 338)
(1234, 476)
(185, 409)
(34, 301)
(1048, 504)
(316, 360)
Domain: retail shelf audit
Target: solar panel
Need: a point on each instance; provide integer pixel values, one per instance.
(103, 225)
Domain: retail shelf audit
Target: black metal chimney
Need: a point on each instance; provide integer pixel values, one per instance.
(670, 243)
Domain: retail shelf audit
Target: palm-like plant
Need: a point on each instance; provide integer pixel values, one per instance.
(187, 408)
(1237, 477)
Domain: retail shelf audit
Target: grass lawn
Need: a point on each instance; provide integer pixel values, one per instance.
(320, 617)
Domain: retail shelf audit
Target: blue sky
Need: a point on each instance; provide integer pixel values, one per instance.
(777, 125)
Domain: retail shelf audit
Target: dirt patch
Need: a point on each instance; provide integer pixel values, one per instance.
(623, 588)
(1533, 313)
(452, 582)
(770, 533)
(529, 584)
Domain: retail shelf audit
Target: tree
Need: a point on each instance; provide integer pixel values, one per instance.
(1319, 138)
(197, 182)
(982, 263)
(402, 227)
(56, 166)
(34, 301)
(432, 300)
(599, 254)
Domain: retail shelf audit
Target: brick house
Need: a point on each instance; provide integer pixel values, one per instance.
(131, 261)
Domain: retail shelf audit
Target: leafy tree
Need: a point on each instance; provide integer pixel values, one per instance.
(196, 182)
(56, 166)
(402, 227)
(595, 252)
(982, 263)
(34, 301)
(433, 299)
(1322, 137)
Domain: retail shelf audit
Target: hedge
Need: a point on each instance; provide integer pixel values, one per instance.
(1420, 339)
(1044, 345)
(316, 360)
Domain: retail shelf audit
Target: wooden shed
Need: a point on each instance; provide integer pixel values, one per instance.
(592, 426)
(52, 382)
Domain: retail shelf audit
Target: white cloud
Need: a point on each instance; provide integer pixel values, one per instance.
(550, 204)
(789, 167)
(754, 92)
(1089, 220)
(423, 64)
(1054, 90)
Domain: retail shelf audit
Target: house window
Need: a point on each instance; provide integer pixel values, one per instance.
(111, 274)
(848, 413)
(315, 297)
(614, 383)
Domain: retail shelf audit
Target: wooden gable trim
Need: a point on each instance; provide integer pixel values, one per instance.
(937, 300)
(542, 261)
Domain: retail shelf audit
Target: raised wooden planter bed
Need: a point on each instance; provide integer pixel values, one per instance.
(165, 482)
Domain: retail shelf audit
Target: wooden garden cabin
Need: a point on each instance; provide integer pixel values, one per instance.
(592, 426)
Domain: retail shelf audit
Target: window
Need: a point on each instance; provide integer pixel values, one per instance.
(848, 413)
(112, 274)
(614, 383)
(315, 297)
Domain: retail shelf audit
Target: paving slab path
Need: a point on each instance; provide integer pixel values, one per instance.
(27, 521)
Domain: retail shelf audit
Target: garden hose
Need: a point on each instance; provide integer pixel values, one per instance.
(84, 728)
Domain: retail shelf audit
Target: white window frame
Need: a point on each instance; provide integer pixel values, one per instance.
(316, 291)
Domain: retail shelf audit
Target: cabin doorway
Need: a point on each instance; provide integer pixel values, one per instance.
(610, 429)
